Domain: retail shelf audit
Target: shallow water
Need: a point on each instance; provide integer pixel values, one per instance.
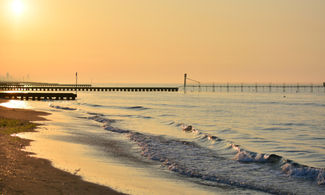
(237, 142)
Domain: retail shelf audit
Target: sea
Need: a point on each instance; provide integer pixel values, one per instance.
(198, 142)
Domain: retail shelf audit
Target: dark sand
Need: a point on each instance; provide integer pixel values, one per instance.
(22, 174)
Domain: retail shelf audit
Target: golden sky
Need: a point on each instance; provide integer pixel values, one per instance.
(157, 41)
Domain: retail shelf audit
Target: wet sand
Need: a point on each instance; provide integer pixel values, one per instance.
(22, 174)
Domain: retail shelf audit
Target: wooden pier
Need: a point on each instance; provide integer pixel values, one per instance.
(38, 96)
(86, 88)
(296, 88)
(257, 87)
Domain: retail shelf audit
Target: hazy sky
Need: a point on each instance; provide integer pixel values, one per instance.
(159, 40)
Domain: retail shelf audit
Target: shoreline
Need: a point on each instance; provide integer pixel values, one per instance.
(21, 173)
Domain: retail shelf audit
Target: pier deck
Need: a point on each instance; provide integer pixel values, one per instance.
(38, 96)
(88, 88)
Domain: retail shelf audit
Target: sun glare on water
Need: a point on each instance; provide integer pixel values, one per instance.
(17, 7)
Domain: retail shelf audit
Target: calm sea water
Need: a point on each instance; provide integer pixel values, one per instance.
(207, 143)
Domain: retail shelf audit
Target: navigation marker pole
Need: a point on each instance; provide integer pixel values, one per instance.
(76, 81)
(185, 77)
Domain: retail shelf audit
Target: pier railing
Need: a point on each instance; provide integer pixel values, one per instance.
(36, 84)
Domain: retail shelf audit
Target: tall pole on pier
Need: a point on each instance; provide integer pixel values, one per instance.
(185, 77)
(76, 81)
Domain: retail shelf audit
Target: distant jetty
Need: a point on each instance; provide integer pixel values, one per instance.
(10, 86)
(193, 85)
(241, 87)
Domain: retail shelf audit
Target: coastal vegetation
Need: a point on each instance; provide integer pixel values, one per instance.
(12, 126)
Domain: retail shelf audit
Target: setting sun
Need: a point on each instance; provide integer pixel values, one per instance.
(162, 97)
(17, 7)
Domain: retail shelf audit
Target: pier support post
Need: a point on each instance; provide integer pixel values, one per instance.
(284, 87)
(76, 81)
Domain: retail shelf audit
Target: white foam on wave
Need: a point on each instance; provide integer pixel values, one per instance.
(203, 136)
(246, 156)
(289, 168)
(241, 155)
(189, 128)
(316, 174)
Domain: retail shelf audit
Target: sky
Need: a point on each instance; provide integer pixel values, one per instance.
(157, 41)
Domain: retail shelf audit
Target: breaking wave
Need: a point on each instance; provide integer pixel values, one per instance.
(245, 169)
(287, 166)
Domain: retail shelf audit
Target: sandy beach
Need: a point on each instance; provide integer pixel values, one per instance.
(22, 174)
